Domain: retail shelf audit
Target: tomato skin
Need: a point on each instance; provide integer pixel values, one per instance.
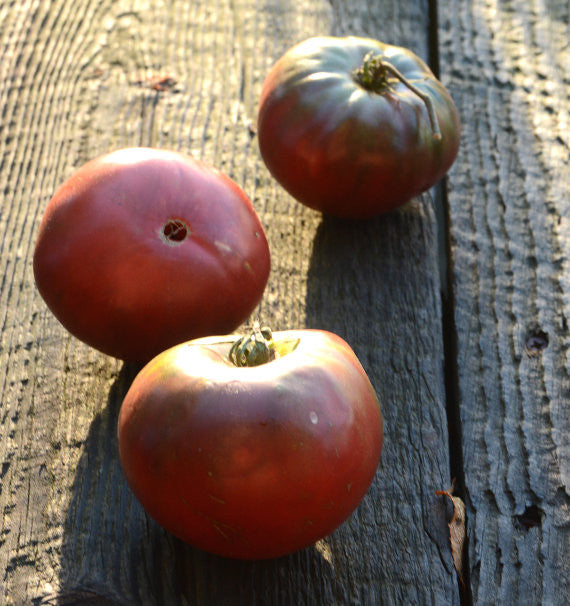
(114, 277)
(346, 151)
(257, 462)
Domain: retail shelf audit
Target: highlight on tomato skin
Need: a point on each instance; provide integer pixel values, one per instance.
(248, 455)
(353, 127)
(143, 248)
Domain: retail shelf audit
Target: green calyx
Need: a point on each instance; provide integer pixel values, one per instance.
(376, 75)
(254, 349)
(373, 74)
(259, 347)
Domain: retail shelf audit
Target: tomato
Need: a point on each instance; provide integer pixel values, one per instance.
(251, 454)
(354, 127)
(143, 248)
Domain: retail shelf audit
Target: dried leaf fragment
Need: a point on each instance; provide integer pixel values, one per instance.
(457, 532)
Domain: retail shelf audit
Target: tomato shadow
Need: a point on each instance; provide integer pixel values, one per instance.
(364, 276)
(113, 554)
(376, 284)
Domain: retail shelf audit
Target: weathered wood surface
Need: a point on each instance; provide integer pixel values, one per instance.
(507, 65)
(79, 78)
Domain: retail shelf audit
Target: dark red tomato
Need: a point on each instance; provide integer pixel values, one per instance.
(251, 461)
(354, 127)
(141, 249)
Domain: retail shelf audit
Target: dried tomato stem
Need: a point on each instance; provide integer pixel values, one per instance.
(373, 75)
(254, 349)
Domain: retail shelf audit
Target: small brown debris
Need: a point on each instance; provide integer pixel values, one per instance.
(157, 83)
(162, 83)
(252, 129)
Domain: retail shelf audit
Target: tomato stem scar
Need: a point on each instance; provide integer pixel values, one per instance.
(254, 349)
(174, 231)
(373, 76)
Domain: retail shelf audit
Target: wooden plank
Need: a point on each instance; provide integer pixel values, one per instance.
(78, 79)
(506, 64)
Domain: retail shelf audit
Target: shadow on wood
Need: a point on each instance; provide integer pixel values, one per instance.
(375, 283)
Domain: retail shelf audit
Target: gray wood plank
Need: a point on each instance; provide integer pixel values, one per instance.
(78, 79)
(506, 64)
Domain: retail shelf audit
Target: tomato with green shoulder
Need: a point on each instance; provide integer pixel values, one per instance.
(354, 127)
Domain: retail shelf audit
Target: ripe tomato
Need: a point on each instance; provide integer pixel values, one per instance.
(141, 249)
(354, 127)
(251, 461)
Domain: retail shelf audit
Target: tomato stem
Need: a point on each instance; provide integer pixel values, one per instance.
(373, 76)
(254, 349)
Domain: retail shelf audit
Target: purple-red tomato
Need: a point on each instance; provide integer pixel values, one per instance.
(246, 455)
(354, 127)
(143, 248)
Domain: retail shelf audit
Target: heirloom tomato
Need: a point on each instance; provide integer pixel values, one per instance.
(142, 248)
(354, 127)
(251, 448)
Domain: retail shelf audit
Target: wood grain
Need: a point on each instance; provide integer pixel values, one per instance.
(506, 64)
(80, 78)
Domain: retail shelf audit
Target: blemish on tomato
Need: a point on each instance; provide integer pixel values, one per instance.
(222, 246)
(219, 529)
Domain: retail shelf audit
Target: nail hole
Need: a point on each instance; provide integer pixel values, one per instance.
(531, 517)
(174, 231)
(536, 342)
